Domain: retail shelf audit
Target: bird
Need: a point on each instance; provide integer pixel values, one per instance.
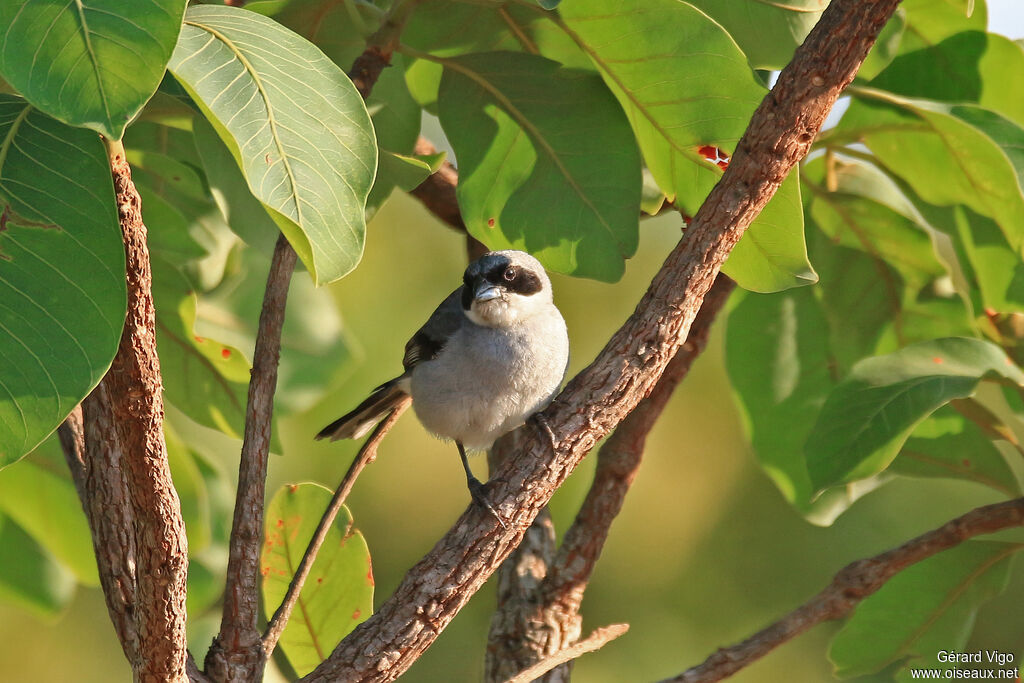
(492, 354)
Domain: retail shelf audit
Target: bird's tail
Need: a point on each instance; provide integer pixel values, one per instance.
(361, 420)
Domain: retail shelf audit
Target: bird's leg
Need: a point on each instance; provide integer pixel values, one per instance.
(477, 490)
(542, 423)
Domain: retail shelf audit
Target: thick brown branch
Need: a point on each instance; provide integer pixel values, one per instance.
(237, 652)
(854, 583)
(366, 455)
(627, 369)
(539, 592)
(518, 637)
(103, 490)
(124, 432)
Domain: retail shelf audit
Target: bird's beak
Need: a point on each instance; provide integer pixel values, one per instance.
(486, 293)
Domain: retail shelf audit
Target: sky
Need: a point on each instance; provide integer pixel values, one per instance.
(1006, 17)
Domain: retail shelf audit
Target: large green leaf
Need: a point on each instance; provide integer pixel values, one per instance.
(88, 64)
(29, 576)
(969, 66)
(242, 211)
(859, 212)
(46, 506)
(948, 154)
(300, 134)
(777, 356)
(62, 284)
(870, 414)
(338, 593)
(678, 120)
(203, 378)
(185, 225)
(926, 608)
(314, 350)
(768, 32)
(949, 445)
(340, 29)
(547, 162)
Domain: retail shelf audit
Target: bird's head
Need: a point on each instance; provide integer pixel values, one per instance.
(503, 287)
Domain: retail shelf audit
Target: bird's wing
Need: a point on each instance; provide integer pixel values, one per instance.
(435, 333)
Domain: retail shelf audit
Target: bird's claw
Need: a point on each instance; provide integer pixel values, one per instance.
(478, 492)
(542, 423)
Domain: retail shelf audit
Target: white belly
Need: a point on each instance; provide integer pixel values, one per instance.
(492, 386)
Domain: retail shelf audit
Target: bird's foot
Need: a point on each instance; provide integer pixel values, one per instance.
(478, 491)
(545, 427)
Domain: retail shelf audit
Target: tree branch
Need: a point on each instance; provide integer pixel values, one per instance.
(237, 652)
(96, 472)
(593, 403)
(133, 509)
(596, 640)
(366, 455)
(851, 585)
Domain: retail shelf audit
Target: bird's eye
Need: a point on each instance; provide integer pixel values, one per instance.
(510, 274)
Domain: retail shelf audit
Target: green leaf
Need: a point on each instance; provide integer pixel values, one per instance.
(948, 154)
(314, 349)
(777, 357)
(870, 414)
(969, 66)
(62, 283)
(243, 212)
(680, 123)
(186, 221)
(930, 22)
(768, 32)
(990, 264)
(338, 594)
(929, 606)
(547, 162)
(886, 46)
(950, 446)
(301, 135)
(29, 577)
(409, 171)
(864, 212)
(205, 379)
(191, 488)
(772, 254)
(91, 65)
(46, 506)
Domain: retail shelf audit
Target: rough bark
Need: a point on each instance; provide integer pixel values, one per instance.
(237, 652)
(593, 404)
(136, 516)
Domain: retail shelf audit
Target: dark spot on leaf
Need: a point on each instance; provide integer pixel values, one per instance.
(175, 178)
(358, 613)
(937, 360)
(280, 523)
(709, 152)
(319, 579)
(199, 339)
(967, 463)
(225, 353)
(265, 571)
(490, 222)
(292, 488)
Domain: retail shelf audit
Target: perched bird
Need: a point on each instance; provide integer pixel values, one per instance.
(490, 356)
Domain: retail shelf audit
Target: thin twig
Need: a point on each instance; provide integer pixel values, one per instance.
(851, 585)
(596, 640)
(237, 652)
(593, 404)
(366, 455)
